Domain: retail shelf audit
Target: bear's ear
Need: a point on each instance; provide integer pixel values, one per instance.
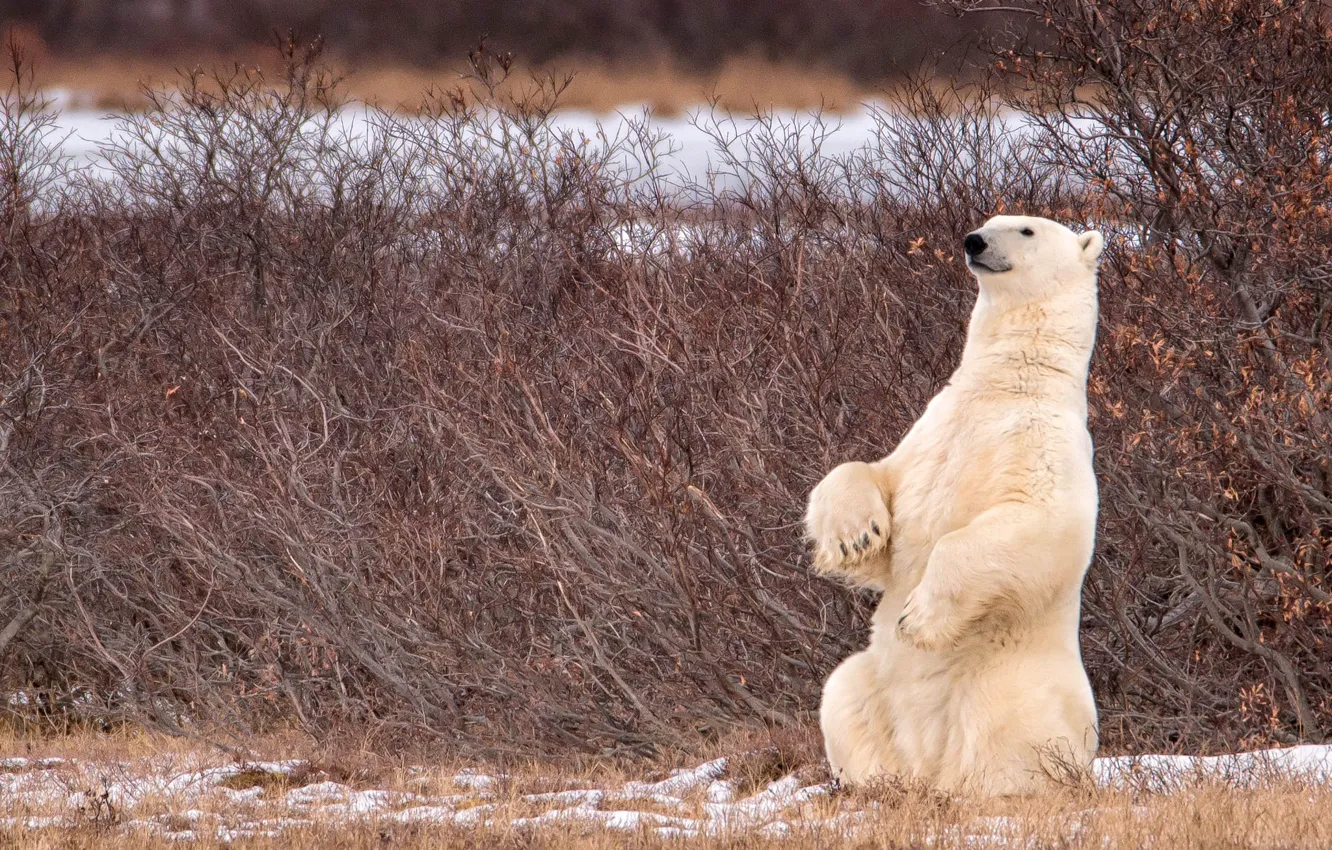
(1091, 243)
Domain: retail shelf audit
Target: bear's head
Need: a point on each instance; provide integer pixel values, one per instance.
(1031, 257)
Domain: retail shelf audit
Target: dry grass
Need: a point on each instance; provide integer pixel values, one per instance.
(115, 82)
(739, 84)
(758, 754)
(1205, 815)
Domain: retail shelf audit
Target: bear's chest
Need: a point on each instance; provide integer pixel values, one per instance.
(961, 459)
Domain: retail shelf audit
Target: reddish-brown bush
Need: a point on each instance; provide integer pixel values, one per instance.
(469, 430)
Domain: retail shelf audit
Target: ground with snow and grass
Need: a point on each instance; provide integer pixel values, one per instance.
(138, 792)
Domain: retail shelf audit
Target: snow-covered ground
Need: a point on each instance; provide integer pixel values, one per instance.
(1309, 763)
(689, 148)
(179, 798)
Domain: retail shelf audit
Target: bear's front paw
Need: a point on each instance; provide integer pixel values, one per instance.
(848, 518)
(925, 622)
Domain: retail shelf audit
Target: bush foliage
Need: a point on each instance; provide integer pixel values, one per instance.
(465, 428)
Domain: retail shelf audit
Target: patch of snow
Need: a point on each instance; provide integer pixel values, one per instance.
(364, 802)
(243, 795)
(679, 782)
(475, 815)
(620, 819)
(776, 829)
(721, 791)
(476, 781)
(19, 763)
(779, 795)
(319, 792)
(35, 822)
(1311, 762)
(582, 797)
(422, 814)
(227, 834)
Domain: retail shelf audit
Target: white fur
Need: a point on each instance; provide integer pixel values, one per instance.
(986, 512)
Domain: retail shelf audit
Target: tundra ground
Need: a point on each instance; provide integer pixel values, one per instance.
(142, 791)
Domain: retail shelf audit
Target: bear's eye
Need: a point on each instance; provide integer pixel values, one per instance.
(1027, 231)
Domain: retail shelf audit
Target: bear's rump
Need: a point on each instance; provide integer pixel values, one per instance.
(953, 719)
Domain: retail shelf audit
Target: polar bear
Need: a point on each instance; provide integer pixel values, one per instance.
(978, 529)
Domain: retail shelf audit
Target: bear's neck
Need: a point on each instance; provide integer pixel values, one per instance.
(1031, 347)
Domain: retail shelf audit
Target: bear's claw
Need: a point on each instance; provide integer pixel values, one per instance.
(924, 622)
(848, 515)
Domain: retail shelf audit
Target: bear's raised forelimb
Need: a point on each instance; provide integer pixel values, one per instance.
(848, 522)
(1008, 562)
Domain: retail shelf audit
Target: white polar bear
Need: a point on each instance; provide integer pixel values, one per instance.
(978, 529)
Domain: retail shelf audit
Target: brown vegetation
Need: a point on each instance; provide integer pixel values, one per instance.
(475, 433)
(1266, 811)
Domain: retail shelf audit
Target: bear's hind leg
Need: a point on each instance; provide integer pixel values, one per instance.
(1045, 739)
(857, 729)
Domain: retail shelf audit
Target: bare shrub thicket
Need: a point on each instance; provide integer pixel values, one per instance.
(464, 428)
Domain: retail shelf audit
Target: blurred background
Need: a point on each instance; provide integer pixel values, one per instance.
(669, 54)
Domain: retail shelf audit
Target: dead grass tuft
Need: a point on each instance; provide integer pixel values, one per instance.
(265, 779)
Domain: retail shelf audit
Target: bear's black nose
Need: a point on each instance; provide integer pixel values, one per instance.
(974, 245)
